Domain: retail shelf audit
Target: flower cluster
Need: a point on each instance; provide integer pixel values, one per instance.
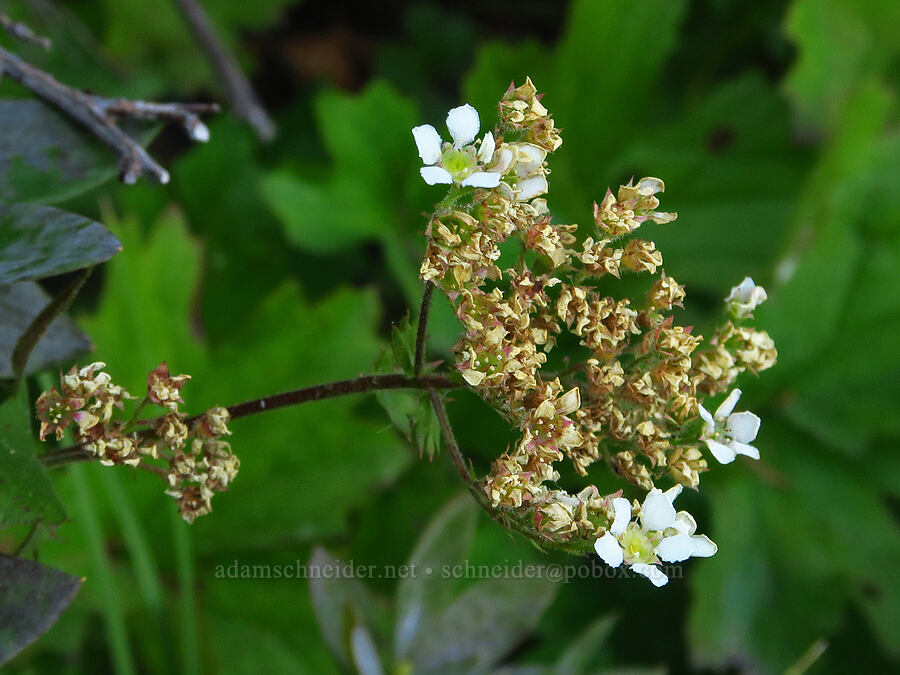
(198, 462)
(635, 401)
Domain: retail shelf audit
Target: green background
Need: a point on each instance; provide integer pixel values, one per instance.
(262, 268)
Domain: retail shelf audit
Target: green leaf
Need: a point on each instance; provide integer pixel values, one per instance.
(40, 241)
(33, 596)
(605, 77)
(732, 176)
(368, 138)
(20, 303)
(48, 158)
(730, 590)
(38, 327)
(302, 468)
(424, 595)
(403, 344)
(482, 625)
(26, 495)
(600, 82)
(823, 78)
(269, 654)
(231, 216)
(817, 533)
(138, 40)
(582, 650)
(253, 611)
(804, 314)
(426, 428)
(413, 415)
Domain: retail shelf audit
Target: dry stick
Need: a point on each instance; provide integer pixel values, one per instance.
(423, 326)
(237, 89)
(355, 386)
(99, 115)
(22, 32)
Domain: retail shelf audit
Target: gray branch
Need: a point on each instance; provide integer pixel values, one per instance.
(238, 90)
(22, 32)
(99, 115)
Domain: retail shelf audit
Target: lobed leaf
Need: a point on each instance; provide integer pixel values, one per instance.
(26, 495)
(32, 596)
(41, 241)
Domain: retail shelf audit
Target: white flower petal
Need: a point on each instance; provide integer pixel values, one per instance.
(531, 187)
(707, 418)
(652, 572)
(483, 179)
(728, 404)
(743, 426)
(623, 515)
(428, 141)
(675, 548)
(650, 186)
(486, 151)
(742, 291)
(723, 453)
(435, 174)
(529, 158)
(463, 124)
(657, 512)
(473, 377)
(503, 158)
(673, 492)
(744, 449)
(685, 523)
(609, 550)
(704, 547)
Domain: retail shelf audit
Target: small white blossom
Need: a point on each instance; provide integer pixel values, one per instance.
(729, 434)
(457, 162)
(662, 534)
(744, 298)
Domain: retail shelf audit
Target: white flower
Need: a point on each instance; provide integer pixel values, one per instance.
(662, 534)
(744, 298)
(457, 162)
(728, 434)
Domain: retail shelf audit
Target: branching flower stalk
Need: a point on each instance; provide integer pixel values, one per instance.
(635, 402)
(365, 383)
(193, 460)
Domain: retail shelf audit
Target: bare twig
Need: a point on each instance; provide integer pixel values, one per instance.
(99, 115)
(355, 386)
(423, 326)
(237, 89)
(22, 32)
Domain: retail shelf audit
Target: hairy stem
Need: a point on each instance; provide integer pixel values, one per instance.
(475, 488)
(357, 385)
(423, 326)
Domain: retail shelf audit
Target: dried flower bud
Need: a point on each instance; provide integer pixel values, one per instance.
(56, 412)
(164, 389)
(171, 430)
(641, 256)
(666, 293)
(213, 423)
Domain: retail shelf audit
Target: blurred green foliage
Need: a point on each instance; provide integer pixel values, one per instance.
(265, 268)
